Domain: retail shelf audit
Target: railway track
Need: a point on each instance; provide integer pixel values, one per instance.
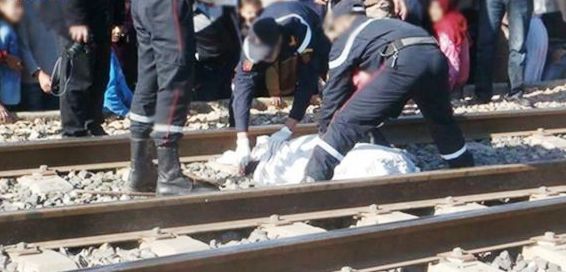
(113, 151)
(119, 222)
(499, 214)
(378, 247)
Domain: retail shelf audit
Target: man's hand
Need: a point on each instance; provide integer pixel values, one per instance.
(321, 2)
(278, 102)
(401, 8)
(14, 63)
(278, 138)
(79, 33)
(44, 81)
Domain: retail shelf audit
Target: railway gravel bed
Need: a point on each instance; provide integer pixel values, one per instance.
(107, 254)
(507, 259)
(214, 115)
(14, 196)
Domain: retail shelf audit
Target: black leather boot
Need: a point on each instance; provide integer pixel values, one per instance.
(143, 175)
(170, 180)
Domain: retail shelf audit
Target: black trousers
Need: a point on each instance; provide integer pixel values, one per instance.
(166, 51)
(421, 74)
(213, 79)
(83, 97)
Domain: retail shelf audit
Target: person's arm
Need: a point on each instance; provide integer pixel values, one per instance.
(307, 86)
(30, 64)
(75, 12)
(245, 81)
(339, 86)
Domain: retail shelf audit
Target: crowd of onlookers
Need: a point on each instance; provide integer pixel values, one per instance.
(470, 33)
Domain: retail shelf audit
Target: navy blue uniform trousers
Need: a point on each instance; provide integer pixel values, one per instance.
(421, 74)
(166, 49)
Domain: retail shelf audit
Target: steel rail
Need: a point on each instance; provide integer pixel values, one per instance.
(113, 149)
(372, 245)
(141, 215)
(516, 195)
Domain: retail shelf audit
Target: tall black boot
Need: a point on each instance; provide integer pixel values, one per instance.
(171, 180)
(143, 175)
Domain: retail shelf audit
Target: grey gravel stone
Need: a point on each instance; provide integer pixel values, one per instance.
(503, 261)
(213, 115)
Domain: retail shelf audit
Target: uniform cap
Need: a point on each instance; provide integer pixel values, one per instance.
(263, 38)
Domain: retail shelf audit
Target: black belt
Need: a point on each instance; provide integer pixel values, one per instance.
(393, 48)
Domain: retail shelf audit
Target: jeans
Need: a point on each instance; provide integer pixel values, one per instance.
(491, 14)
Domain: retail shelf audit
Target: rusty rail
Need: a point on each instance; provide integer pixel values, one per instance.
(113, 149)
(374, 245)
(141, 215)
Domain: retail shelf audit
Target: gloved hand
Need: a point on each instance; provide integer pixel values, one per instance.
(243, 151)
(278, 138)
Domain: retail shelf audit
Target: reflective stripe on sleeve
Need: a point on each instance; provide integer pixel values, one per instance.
(348, 47)
(308, 34)
(330, 150)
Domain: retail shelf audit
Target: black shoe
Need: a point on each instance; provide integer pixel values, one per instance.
(479, 101)
(517, 97)
(79, 134)
(170, 180)
(143, 175)
(97, 131)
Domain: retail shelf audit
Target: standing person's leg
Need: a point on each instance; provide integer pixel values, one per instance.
(73, 87)
(101, 67)
(32, 97)
(173, 44)
(143, 175)
(519, 14)
(432, 95)
(537, 48)
(491, 14)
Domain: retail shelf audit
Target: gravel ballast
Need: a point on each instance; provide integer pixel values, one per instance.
(214, 115)
(14, 196)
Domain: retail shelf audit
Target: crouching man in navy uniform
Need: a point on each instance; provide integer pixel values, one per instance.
(402, 62)
(285, 53)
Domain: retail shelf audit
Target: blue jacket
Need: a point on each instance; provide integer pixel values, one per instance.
(118, 96)
(301, 25)
(10, 80)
